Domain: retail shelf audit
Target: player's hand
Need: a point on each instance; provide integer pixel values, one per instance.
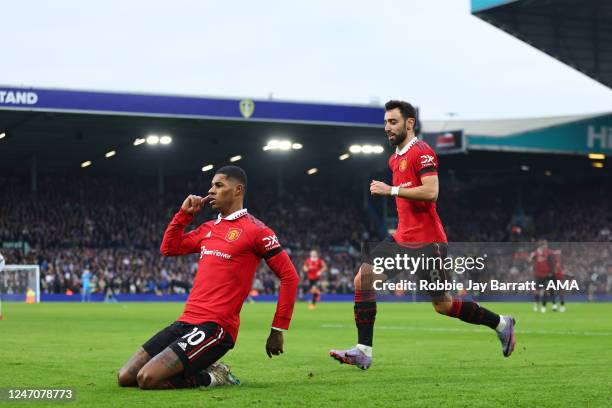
(194, 203)
(274, 345)
(380, 188)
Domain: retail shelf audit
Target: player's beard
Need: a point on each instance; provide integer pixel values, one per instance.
(399, 138)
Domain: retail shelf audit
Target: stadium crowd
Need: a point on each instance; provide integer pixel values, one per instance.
(113, 230)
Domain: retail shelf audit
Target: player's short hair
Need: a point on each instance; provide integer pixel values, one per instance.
(234, 172)
(406, 109)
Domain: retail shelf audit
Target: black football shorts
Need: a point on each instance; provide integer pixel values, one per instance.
(313, 283)
(198, 346)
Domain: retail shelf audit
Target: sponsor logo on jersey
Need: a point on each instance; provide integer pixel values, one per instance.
(233, 234)
(403, 165)
(427, 160)
(209, 234)
(270, 241)
(213, 252)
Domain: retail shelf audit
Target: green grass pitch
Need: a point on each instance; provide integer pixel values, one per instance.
(420, 358)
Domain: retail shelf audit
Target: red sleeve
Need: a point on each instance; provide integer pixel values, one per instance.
(426, 162)
(268, 247)
(176, 242)
(283, 268)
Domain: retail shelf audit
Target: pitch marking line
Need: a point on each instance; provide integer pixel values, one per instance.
(450, 329)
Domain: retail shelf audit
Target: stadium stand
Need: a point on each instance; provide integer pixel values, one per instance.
(113, 229)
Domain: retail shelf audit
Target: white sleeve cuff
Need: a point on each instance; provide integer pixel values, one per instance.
(278, 329)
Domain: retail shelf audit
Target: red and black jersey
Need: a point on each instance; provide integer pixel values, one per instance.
(418, 221)
(543, 262)
(230, 250)
(313, 267)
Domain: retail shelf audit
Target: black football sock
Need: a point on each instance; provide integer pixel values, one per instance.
(365, 315)
(194, 381)
(473, 313)
(552, 296)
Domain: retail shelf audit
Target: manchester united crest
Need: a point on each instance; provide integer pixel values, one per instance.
(233, 234)
(403, 164)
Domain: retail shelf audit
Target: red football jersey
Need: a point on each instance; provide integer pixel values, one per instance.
(230, 250)
(418, 221)
(543, 261)
(313, 266)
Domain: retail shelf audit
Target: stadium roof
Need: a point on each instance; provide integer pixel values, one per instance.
(576, 134)
(504, 127)
(56, 131)
(576, 32)
(186, 107)
(63, 128)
